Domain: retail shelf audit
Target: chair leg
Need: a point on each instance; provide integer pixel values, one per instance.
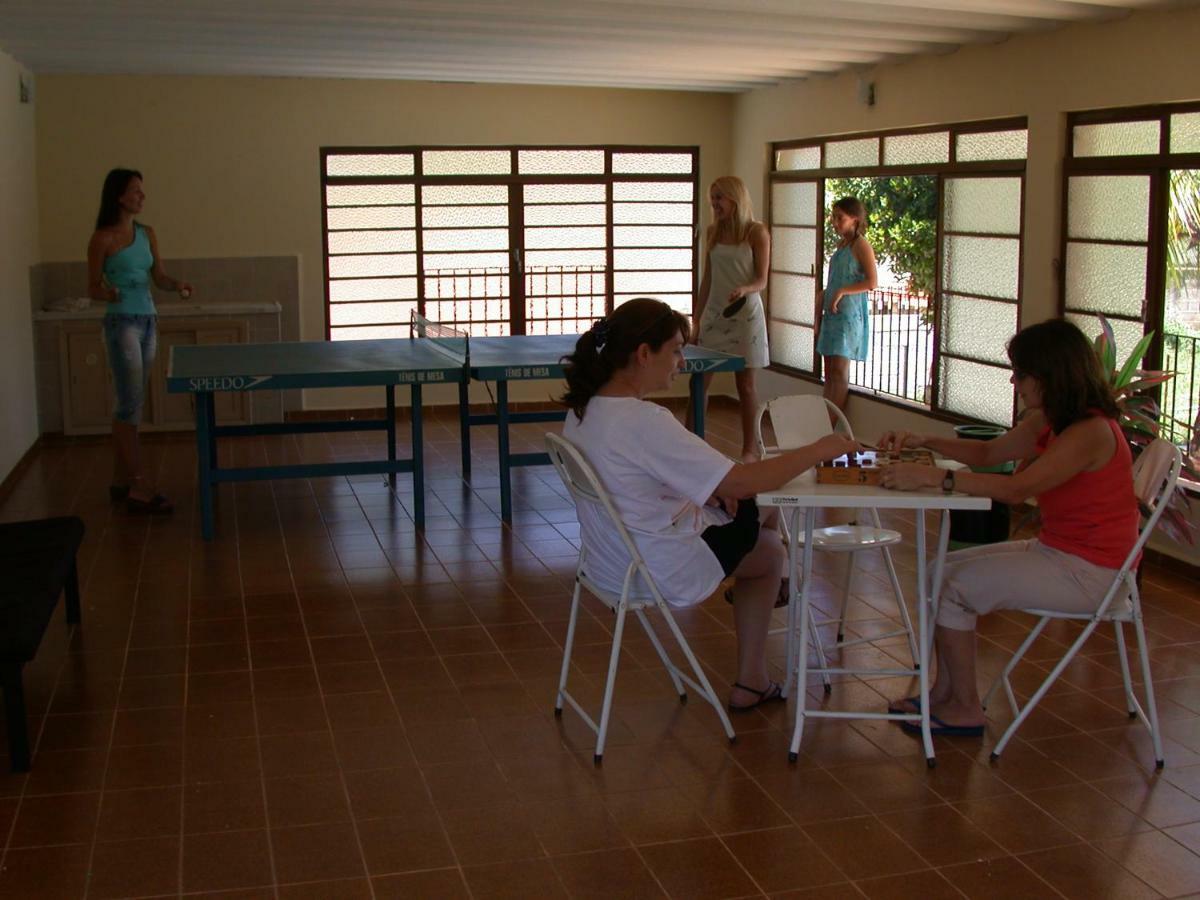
(567, 646)
(819, 649)
(703, 685)
(1151, 704)
(1045, 686)
(671, 668)
(1126, 677)
(613, 660)
(15, 716)
(901, 606)
(846, 585)
(71, 589)
(1002, 678)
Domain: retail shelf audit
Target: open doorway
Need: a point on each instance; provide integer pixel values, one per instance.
(902, 212)
(1181, 313)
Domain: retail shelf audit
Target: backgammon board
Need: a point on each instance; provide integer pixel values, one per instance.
(867, 467)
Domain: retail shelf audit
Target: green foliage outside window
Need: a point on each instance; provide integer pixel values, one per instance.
(901, 223)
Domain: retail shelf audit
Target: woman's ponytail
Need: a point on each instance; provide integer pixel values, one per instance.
(608, 344)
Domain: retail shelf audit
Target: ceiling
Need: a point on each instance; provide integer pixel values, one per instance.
(703, 45)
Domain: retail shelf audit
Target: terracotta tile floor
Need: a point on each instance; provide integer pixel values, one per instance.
(323, 703)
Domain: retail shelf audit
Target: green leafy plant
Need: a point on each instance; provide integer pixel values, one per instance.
(1141, 419)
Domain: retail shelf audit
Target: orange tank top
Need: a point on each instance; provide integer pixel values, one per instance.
(1093, 515)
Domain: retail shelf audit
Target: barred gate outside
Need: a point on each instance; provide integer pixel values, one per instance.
(558, 299)
(901, 351)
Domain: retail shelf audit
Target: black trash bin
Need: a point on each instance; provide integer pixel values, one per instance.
(969, 527)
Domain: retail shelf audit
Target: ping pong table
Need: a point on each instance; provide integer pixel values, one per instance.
(538, 357)
(203, 370)
(435, 354)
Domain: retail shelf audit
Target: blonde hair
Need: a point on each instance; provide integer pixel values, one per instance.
(743, 215)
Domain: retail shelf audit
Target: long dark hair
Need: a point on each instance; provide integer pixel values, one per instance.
(115, 183)
(1063, 360)
(611, 341)
(852, 206)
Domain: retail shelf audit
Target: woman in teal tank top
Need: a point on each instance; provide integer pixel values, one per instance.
(845, 321)
(123, 261)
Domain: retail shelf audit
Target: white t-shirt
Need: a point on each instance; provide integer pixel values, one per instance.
(659, 476)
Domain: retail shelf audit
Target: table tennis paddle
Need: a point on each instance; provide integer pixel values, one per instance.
(733, 308)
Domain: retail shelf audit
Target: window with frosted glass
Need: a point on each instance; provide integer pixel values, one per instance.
(972, 241)
(976, 146)
(794, 158)
(492, 239)
(858, 152)
(1116, 139)
(905, 149)
(791, 289)
(981, 272)
(1108, 233)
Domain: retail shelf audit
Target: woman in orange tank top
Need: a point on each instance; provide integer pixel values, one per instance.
(1076, 462)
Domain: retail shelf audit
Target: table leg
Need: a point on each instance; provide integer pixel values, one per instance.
(464, 424)
(205, 456)
(418, 459)
(391, 433)
(926, 638)
(793, 543)
(502, 444)
(212, 431)
(697, 401)
(801, 700)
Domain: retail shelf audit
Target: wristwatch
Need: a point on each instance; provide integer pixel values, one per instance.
(948, 481)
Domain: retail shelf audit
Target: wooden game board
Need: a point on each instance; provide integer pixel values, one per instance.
(866, 467)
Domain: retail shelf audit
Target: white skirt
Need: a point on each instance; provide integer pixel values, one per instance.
(743, 334)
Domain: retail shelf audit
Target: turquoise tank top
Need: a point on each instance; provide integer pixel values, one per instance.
(128, 270)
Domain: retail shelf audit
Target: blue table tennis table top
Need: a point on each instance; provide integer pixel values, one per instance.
(311, 364)
(530, 356)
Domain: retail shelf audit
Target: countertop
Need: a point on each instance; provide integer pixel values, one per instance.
(165, 310)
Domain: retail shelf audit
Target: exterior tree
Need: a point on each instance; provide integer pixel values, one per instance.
(902, 223)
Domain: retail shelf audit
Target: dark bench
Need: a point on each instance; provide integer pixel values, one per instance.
(37, 564)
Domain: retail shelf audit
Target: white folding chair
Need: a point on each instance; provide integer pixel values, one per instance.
(1154, 475)
(800, 419)
(638, 593)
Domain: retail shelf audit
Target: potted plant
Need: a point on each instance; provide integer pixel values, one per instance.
(1141, 419)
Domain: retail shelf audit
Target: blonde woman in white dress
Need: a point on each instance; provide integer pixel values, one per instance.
(730, 311)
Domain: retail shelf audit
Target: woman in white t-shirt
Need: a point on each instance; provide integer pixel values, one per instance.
(689, 508)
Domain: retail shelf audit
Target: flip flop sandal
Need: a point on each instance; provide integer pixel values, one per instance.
(780, 602)
(772, 692)
(158, 505)
(897, 709)
(938, 728)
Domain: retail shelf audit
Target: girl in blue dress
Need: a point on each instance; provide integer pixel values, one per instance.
(845, 324)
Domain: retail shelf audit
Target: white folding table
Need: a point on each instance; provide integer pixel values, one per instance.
(804, 496)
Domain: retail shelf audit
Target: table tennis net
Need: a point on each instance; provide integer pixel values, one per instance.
(451, 342)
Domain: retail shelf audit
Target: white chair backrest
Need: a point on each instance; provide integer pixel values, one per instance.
(1155, 472)
(584, 484)
(800, 419)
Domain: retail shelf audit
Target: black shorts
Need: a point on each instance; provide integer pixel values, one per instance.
(732, 541)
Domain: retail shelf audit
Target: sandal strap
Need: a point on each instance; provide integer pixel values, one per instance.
(750, 690)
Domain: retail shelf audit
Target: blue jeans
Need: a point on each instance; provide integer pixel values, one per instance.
(131, 342)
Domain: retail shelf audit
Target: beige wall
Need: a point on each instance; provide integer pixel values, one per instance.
(232, 164)
(1145, 58)
(18, 237)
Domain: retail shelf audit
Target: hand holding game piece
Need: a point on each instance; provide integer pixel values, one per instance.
(901, 440)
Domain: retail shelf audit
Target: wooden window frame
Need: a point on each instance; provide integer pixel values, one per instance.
(515, 182)
(953, 167)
